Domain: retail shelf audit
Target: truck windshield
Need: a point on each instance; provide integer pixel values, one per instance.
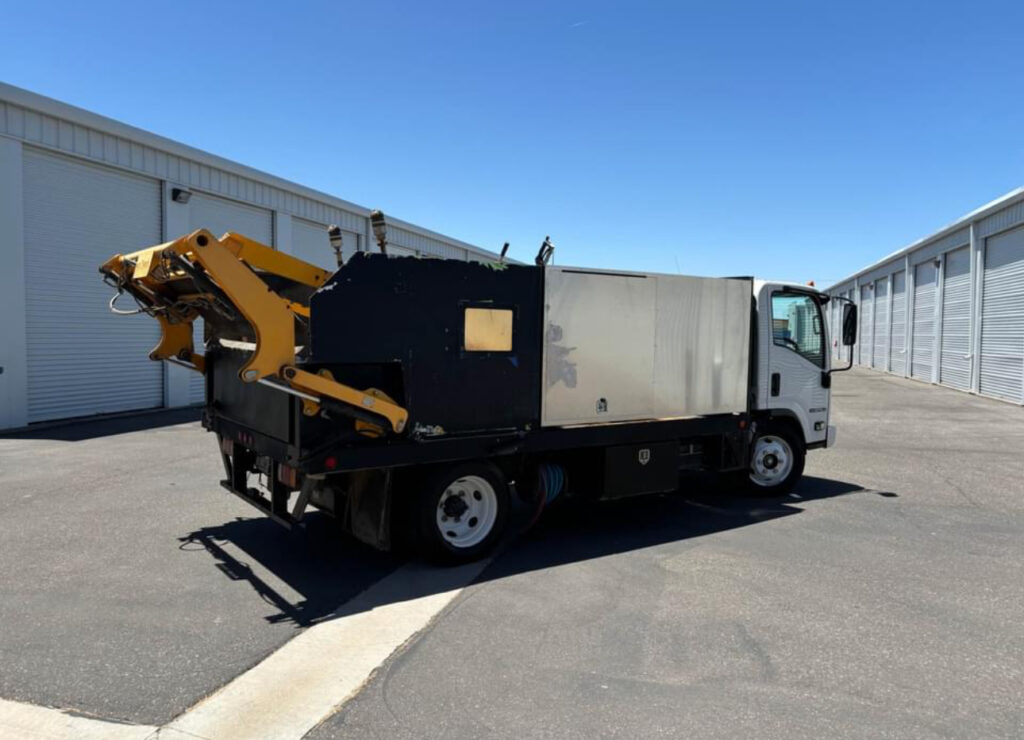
(796, 325)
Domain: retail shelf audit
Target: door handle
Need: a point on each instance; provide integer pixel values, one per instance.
(776, 383)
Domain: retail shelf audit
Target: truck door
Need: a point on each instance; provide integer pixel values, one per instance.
(797, 357)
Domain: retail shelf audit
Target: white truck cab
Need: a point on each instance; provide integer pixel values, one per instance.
(794, 380)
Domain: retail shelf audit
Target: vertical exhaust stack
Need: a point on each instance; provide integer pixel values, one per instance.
(547, 250)
(335, 237)
(380, 230)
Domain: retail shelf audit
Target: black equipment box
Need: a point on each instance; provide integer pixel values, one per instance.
(641, 468)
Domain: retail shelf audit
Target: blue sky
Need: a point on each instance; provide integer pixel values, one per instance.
(787, 140)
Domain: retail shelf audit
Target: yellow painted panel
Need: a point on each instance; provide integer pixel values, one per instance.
(488, 330)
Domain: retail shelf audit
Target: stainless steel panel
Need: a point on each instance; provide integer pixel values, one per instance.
(621, 347)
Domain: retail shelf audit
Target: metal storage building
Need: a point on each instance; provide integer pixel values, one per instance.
(948, 309)
(75, 188)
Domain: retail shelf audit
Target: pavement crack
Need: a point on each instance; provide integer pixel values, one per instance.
(757, 652)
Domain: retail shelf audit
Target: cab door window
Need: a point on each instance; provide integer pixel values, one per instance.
(797, 326)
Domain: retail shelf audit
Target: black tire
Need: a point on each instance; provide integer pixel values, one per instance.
(474, 488)
(773, 442)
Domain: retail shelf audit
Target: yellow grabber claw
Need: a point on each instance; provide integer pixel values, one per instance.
(176, 343)
(232, 266)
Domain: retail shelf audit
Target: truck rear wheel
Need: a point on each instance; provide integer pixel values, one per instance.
(777, 461)
(462, 512)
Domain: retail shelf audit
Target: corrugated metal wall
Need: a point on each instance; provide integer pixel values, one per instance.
(957, 317)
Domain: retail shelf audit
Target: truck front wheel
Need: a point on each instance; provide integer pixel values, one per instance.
(777, 461)
(462, 512)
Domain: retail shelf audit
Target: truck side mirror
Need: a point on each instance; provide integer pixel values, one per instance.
(849, 324)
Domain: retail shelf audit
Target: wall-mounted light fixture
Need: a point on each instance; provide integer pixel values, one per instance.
(380, 230)
(335, 238)
(180, 195)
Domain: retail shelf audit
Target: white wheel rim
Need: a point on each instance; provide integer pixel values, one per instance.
(467, 511)
(772, 462)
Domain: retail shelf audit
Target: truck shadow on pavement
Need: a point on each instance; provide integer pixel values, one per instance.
(317, 562)
(327, 569)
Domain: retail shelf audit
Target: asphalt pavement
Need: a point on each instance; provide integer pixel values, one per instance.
(132, 585)
(882, 599)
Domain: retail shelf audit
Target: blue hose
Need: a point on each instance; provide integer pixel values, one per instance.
(552, 479)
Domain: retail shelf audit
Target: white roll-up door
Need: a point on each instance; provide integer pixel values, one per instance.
(310, 243)
(219, 216)
(82, 359)
(1002, 317)
(898, 342)
(866, 340)
(955, 343)
(880, 358)
(923, 351)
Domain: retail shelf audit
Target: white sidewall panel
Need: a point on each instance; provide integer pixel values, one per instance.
(83, 359)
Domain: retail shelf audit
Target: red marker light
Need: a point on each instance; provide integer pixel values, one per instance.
(331, 463)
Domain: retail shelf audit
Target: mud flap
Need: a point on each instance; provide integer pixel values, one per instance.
(368, 509)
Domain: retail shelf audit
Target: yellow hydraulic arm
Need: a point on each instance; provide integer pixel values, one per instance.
(223, 276)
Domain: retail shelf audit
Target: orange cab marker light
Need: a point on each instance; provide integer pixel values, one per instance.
(288, 475)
